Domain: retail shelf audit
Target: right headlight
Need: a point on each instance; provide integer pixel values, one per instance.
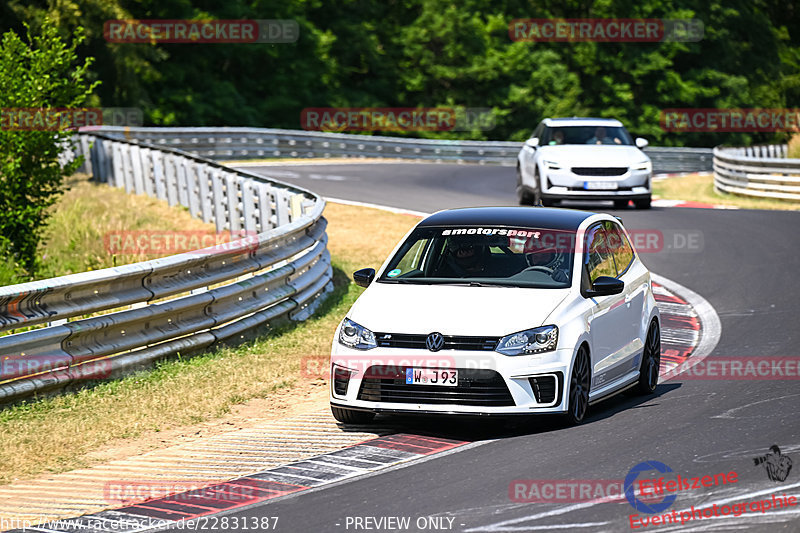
(552, 165)
(356, 336)
(530, 341)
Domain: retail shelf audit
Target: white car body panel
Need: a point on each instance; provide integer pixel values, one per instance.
(619, 321)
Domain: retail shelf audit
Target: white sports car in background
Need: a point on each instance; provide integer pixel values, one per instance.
(583, 159)
(499, 310)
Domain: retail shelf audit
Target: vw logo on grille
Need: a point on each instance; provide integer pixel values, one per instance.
(434, 342)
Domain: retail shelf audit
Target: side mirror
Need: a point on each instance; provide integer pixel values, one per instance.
(605, 286)
(641, 142)
(533, 142)
(364, 276)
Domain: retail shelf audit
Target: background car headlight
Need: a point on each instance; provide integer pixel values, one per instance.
(356, 336)
(647, 165)
(552, 165)
(530, 341)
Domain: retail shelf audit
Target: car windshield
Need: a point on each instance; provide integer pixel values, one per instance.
(614, 135)
(514, 257)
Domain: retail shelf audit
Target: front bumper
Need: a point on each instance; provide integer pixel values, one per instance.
(563, 183)
(482, 375)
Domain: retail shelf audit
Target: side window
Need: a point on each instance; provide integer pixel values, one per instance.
(618, 245)
(599, 257)
(538, 131)
(412, 259)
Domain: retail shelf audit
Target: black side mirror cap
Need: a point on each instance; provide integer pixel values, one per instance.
(605, 286)
(364, 276)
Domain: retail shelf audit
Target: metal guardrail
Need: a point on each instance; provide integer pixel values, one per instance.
(181, 303)
(254, 143)
(758, 171)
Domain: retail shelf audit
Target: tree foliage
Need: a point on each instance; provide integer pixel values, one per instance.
(40, 72)
(426, 53)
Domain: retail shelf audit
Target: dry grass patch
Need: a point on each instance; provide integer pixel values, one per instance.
(90, 213)
(700, 188)
(73, 430)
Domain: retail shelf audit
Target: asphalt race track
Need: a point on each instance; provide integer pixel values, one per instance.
(745, 263)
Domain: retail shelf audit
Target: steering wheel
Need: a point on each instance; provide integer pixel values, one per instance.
(548, 271)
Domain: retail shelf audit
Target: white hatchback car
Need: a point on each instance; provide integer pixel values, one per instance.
(499, 310)
(583, 159)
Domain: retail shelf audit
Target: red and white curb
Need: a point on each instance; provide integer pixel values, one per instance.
(689, 204)
(190, 509)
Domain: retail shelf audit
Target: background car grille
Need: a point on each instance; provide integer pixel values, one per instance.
(451, 342)
(479, 387)
(599, 171)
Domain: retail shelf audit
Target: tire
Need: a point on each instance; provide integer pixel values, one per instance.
(644, 203)
(620, 204)
(525, 198)
(579, 383)
(349, 416)
(550, 202)
(651, 360)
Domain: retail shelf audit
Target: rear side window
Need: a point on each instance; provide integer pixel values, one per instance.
(619, 246)
(599, 258)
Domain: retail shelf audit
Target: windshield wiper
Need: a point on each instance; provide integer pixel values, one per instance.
(488, 284)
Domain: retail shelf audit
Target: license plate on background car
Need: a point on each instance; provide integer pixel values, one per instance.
(600, 185)
(427, 376)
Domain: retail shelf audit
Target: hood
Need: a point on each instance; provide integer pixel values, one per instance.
(578, 155)
(453, 310)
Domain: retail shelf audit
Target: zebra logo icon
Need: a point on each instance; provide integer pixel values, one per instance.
(776, 464)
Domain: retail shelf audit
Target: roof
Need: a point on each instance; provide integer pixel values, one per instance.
(513, 217)
(582, 121)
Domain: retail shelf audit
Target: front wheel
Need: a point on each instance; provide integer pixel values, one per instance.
(644, 203)
(651, 360)
(579, 387)
(349, 416)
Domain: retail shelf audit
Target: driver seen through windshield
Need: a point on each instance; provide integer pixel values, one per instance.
(496, 256)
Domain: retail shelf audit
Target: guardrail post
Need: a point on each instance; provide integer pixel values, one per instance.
(219, 200)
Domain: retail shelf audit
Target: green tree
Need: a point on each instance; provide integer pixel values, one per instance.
(41, 72)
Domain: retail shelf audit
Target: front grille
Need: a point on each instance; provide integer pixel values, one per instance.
(451, 342)
(341, 379)
(545, 387)
(599, 171)
(479, 387)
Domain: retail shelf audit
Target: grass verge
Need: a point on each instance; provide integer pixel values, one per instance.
(700, 188)
(185, 392)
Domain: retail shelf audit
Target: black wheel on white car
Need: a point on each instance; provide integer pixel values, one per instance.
(522, 194)
(525, 197)
(644, 203)
(651, 360)
(350, 416)
(621, 204)
(579, 387)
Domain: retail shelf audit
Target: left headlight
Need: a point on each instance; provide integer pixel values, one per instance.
(645, 165)
(530, 341)
(356, 336)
